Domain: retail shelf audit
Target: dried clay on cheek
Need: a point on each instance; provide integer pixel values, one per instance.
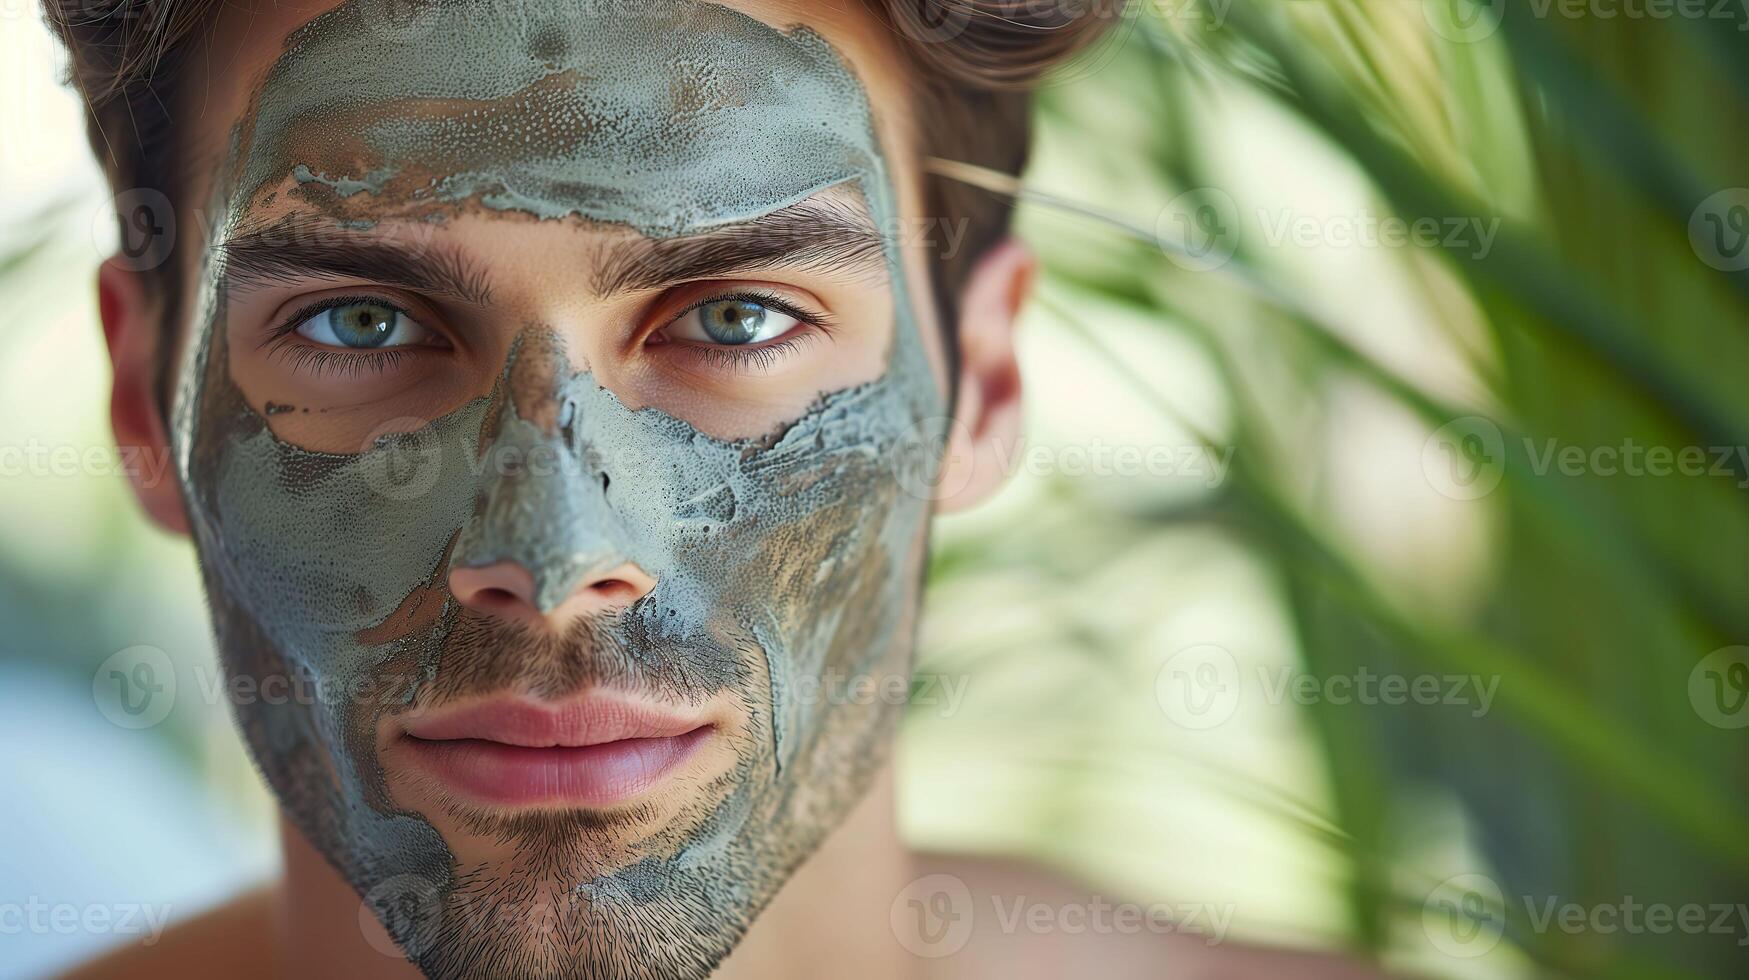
(778, 561)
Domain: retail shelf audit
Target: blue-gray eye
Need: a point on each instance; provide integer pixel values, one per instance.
(733, 323)
(362, 326)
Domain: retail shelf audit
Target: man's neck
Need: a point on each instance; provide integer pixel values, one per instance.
(830, 919)
(833, 917)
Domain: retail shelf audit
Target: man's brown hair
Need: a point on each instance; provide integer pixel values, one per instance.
(972, 66)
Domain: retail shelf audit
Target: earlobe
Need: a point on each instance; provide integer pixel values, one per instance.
(986, 431)
(132, 332)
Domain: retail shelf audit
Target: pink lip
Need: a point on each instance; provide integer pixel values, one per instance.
(595, 751)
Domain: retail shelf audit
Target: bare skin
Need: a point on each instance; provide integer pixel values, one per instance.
(834, 918)
(844, 912)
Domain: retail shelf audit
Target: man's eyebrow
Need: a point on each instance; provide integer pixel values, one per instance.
(295, 249)
(815, 234)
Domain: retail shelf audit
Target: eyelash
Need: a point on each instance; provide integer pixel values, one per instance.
(750, 358)
(755, 357)
(323, 359)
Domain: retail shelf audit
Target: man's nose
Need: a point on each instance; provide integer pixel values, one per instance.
(546, 545)
(506, 590)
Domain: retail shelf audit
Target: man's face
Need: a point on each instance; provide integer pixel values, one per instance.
(540, 424)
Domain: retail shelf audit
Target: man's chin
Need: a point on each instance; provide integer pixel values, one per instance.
(566, 892)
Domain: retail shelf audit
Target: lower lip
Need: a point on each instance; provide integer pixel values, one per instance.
(588, 776)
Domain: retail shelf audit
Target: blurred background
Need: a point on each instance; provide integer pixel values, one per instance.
(1371, 577)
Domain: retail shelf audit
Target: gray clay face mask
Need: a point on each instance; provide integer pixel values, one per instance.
(778, 561)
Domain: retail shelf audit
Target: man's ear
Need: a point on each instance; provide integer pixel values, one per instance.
(986, 429)
(132, 331)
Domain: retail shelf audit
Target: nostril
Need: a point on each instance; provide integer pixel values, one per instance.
(503, 588)
(495, 598)
(616, 591)
(507, 590)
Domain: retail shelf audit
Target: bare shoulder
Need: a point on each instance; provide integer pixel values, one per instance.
(998, 918)
(226, 941)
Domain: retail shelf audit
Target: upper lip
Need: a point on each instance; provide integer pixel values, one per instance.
(595, 718)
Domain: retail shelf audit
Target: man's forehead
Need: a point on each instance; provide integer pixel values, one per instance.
(667, 115)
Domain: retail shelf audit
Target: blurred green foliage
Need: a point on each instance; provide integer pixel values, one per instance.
(1607, 311)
